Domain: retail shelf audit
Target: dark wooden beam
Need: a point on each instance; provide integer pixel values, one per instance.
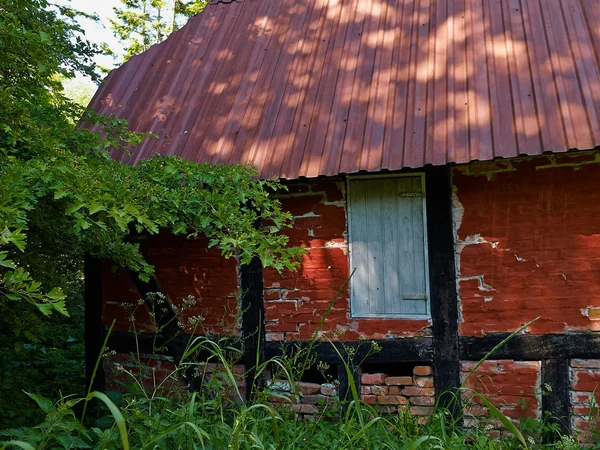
(94, 329)
(159, 344)
(442, 283)
(417, 350)
(253, 331)
(531, 347)
(555, 394)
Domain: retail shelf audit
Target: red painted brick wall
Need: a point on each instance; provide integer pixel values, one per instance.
(152, 372)
(183, 267)
(512, 386)
(159, 374)
(585, 395)
(295, 302)
(528, 244)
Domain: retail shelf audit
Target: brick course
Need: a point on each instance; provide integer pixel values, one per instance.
(389, 393)
(307, 400)
(585, 393)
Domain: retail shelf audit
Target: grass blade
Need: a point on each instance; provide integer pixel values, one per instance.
(20, 444)
(510, 426)
(120, 421)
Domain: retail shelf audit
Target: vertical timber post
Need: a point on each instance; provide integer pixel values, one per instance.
(442, 275)
(556, 402)
(253, 328)
(94, 330)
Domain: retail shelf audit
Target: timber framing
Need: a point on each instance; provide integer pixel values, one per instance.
(93, 328)
(442, 281)
(253, 314)
(406, 350)
(444, 349)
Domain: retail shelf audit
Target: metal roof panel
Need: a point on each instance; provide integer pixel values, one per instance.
(321, 87)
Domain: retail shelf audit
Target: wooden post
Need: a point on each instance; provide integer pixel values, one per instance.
(442, 281)
(94, 330)
(253, 328)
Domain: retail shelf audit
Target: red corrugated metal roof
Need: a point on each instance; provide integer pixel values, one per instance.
(321, 87)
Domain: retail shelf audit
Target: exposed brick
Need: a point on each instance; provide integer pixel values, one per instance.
(374, 390)
(392, 400)
(399, 381)
(422, 401)
(421, 410)
(424, 381)
(586, 381)
(304, 409)
(373, 378)
(329, 390)
(314, 399)
(586, 363)
(307, 388)
(423, 370)
(370, 399)
(418, 391)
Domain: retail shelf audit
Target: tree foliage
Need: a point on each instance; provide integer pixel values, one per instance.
(63, 195)
(142, 23)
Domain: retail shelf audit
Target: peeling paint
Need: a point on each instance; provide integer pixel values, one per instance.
(482, 284)
(575, 165)
(521, 259)
(307, 215)
(477, 239)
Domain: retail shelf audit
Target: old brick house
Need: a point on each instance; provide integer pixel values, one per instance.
(445, 151)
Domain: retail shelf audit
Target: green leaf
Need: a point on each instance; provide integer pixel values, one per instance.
(60, 194)
(44, 404)
(508, 424)
(20, 444)
(116, 415)
(56, 294)
(179, 228)
(6, 262)
(73, 208)
(95, 207)
(45, 308)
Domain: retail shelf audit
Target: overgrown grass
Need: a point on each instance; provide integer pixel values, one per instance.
(163, 414)
(216, 418)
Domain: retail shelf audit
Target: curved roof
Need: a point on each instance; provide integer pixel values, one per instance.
(321, 87)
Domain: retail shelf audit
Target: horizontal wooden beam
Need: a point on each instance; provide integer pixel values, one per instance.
(419, 349)
(531, 347)
(149, 344)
